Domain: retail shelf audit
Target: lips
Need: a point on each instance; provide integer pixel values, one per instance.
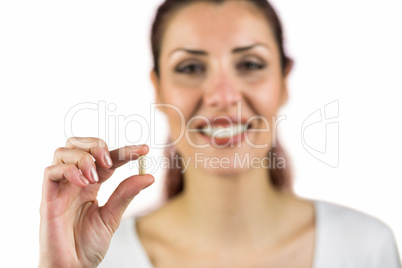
(223, 130)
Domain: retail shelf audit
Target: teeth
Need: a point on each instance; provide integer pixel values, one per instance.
(220, 131)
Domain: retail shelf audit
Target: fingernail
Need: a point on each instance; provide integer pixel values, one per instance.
(136, 146)
(94, 175)
(83, 179)
(107, 159)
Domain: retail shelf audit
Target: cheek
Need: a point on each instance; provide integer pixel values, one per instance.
(264, 97)
(182, 104)
(184, 101)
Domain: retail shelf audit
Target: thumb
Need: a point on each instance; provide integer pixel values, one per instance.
(118, 202)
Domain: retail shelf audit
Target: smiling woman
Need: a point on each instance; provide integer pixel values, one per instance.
(245, 65)
(222, 65)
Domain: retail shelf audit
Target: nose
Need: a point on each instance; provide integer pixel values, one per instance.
(222, 93)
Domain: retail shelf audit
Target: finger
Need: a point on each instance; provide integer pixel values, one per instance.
(122, 156)
(118, 202)
(82, 160)
(54, 175)
(94, 146)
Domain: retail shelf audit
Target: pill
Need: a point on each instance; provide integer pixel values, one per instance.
(141, 165)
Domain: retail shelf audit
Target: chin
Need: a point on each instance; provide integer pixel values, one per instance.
(219, 163)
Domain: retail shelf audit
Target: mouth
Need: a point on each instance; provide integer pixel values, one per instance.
(224, 131)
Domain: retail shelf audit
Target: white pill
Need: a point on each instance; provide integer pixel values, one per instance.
(141, 165)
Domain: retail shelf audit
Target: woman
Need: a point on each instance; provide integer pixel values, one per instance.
(222, 64)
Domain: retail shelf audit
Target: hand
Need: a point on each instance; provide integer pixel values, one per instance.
(74, 230)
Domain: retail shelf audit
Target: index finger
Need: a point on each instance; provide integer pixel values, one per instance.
(126, 154)
(120, 157)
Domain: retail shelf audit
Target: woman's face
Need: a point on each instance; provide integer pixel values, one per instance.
(220, 69)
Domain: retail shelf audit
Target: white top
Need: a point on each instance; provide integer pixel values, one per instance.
(345, 238)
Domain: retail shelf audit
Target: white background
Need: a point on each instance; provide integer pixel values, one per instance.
(57, 54)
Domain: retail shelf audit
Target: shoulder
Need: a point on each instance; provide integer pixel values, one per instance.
(347, 219)
(346, 233)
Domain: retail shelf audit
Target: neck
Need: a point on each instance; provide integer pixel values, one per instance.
(231, 208)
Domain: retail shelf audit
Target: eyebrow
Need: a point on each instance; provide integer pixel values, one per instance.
(204, 53)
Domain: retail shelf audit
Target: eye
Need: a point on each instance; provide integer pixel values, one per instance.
(191, 69)
(250, 66)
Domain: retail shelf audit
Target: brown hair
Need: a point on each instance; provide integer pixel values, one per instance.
(280, 177)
